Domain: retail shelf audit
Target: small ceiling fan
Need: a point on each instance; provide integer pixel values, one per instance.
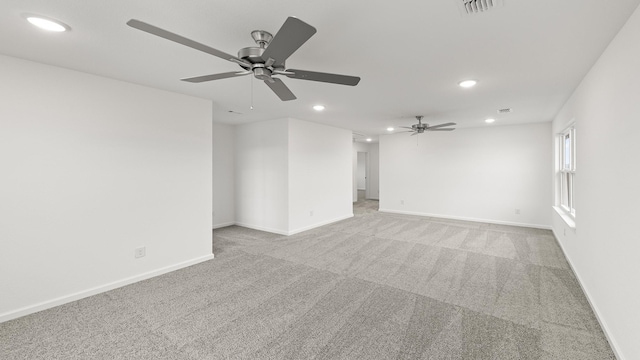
(421, 127)
(264, 61)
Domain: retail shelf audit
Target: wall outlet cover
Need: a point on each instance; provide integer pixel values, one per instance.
(140, 252)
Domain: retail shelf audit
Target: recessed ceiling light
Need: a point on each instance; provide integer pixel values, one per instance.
(467, 83)
(47, 24)
(489, 121)
(318, 107)
(390, 128)
(368, 139)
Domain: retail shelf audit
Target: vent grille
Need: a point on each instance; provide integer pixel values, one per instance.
(504, 111)
(468, 7)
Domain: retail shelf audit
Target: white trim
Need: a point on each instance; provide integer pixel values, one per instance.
(221, 225)
(594, 308)
(260, 228)
(568, 219)
(292, 232)
(498, 222)
(98, 289)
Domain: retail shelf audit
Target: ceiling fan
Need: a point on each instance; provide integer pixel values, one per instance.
(264, 61)
(420, 127)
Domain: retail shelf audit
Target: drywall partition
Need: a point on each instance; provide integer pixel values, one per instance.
(292, 175)
(262, 175)
(604, 248)
(497, 174)
(223, 175)
(319, 175)
(93, 168)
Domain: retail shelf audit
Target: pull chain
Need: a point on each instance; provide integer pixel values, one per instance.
(251, 93)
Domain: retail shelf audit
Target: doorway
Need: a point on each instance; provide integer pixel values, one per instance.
(361, 176)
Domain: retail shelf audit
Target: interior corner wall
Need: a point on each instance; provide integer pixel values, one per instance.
(477, 174)
(262, 175)
(224, 210)
(319, 175)
(604, 248)
(93, 168)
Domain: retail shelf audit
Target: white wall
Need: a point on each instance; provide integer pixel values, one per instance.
(319, 175)
(478, 174)
(262, 175)
(288, 168)
(93, 168)
(224, 175)
(605, 247)
(361, 171)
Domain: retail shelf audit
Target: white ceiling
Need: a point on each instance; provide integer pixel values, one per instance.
(527, 55)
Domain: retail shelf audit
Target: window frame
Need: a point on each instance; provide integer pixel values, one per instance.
(567, 170)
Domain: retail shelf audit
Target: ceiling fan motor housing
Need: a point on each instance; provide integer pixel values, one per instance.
(251, 54)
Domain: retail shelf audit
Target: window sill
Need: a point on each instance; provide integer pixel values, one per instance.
(568, 219)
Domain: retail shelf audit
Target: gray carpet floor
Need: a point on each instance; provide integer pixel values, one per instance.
(376, 286)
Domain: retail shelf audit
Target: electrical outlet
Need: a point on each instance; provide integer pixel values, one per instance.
(401, 202)
(517, 211)
(564, 232)
(311, 213)
(140, 252)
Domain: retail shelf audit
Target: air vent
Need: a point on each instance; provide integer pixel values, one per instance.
(468, 7)
(504, 111)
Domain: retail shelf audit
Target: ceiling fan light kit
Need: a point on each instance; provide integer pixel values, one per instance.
(264, 61)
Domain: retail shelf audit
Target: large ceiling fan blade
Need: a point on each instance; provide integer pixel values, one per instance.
(414, 133)
(441, 125)
(199, 79)
(293, 33)
(431, 129)
(154, 30)
(323, 77)
(280, 89)
(406, 127)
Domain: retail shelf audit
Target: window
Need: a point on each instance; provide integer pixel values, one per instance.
(567, 147)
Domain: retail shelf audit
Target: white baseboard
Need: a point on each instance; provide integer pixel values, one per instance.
(292, 232)
(261, 228)
(319, 224)
(489, 221)
(221, 225)
(594, 308)
(98, 289)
